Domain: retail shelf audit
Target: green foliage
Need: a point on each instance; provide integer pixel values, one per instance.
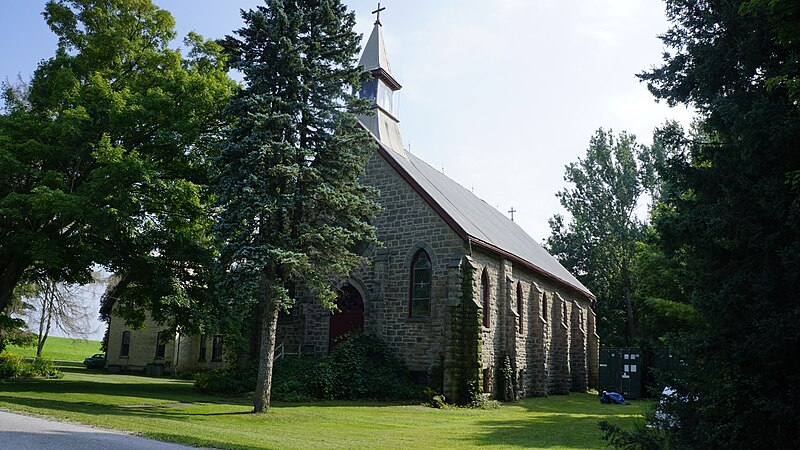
(641, 438)
(110, 148)
(599, 243)
(13, 332)
(731, 217)
(230, 381)
(12, 366)
(361, 367)
(290, 202)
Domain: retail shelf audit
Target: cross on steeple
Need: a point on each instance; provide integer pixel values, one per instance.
(377, 13)
(512, 211)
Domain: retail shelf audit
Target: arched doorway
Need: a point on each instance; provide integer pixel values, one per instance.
(349, 317)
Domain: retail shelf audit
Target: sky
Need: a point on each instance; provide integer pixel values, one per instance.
(499, 94)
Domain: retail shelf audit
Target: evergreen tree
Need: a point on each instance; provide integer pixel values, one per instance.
(731, 216)
(291, 206)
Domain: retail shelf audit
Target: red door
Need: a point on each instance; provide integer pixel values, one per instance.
(348, 318)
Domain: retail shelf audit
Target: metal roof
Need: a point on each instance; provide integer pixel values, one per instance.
(479, 221)
(469, 216)
(374, 55)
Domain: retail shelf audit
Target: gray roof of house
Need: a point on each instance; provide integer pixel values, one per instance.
(479, 220)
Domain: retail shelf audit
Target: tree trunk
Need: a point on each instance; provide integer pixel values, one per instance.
(269, 325)
(44, 328)
(626, 283)
(10, 274)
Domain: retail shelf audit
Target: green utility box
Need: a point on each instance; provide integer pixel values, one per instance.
(632, 371)
(623, 370)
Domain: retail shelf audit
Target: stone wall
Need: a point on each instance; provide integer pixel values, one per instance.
(550, 353)
(405, 225)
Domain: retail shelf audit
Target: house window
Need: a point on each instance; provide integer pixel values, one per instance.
(126, 344)
(161, 344)
(544, 307)
(485, 297)
(216, 348)
(564, 312)
(202, 356)
(421, 285)
(520, 307)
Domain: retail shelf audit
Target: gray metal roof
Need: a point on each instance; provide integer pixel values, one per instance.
(481, 221)
(374, 54)
(467, 214)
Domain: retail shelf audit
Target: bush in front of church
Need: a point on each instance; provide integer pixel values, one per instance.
(361, 367)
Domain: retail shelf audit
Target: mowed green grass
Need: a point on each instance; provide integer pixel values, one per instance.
(59, 349)
(147, 406)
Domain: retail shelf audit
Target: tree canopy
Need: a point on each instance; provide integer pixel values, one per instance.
(291, 206)
(730, 214)
(599, 243)
(107, 153)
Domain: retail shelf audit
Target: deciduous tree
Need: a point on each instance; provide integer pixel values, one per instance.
(599, 243)
(106, 155)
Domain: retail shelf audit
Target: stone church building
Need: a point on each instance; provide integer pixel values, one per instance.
(457, 290)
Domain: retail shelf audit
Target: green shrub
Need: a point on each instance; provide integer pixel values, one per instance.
(640, 438)
(12, 366)
(292, 378)
(360, 367)
(231, 381)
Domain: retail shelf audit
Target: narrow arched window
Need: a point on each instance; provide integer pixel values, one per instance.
(544, 307)
(520, 307)
(485, 297)
(125, 349)
(421, 271)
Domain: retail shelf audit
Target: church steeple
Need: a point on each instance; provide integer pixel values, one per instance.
(380, 89)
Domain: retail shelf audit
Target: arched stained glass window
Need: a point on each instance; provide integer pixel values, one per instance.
(421, 272)
(485, 297)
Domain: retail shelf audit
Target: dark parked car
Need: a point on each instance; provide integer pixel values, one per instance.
(96, 361)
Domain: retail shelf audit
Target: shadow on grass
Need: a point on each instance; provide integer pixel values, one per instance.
(94, 408)
(557, 421)
(154, 391)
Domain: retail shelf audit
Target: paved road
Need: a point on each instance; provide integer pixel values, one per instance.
(18, 432)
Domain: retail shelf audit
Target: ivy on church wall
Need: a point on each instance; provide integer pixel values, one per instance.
(466, 342)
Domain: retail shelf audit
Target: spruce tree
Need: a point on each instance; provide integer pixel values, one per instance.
(290, 203)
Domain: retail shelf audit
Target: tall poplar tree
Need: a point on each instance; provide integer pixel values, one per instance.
(291, 205)
(599, 243)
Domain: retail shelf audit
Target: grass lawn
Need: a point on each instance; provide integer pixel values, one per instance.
(152, 408)
(59, 349)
